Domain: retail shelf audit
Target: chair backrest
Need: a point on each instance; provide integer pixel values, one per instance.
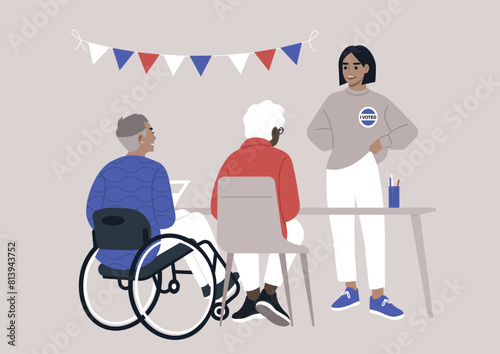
(177, 195)
(120, 229)
(248, 218)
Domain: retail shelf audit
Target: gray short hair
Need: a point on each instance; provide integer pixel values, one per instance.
(129, 128)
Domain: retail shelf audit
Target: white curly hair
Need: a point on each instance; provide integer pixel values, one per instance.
(261, 118)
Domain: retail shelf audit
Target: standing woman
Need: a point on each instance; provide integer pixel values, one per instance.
(359, 126)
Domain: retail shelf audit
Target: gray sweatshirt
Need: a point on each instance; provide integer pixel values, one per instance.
(350, 121)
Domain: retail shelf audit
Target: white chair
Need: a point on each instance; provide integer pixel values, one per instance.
(249, 222)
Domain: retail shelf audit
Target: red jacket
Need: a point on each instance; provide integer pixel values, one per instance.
(257, 157)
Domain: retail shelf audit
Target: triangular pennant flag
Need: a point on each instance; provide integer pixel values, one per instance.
(148, 60)
(201, 62)
(96, 51)
(239, 60)
(293, 51)
(266, 57)
(173, 62)
(122, 56)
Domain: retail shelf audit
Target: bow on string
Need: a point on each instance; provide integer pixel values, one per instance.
(200, 61)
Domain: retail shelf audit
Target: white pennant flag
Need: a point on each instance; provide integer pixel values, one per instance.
(239, 60)
(97, 51)
(173, 62)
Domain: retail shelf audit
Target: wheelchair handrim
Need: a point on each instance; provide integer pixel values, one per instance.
(135, 299)
(87, 303)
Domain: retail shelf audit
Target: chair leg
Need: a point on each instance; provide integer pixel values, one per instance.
(229, 264)
(305, 269)
(287, 285)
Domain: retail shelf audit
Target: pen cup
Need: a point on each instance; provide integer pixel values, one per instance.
(394, 197)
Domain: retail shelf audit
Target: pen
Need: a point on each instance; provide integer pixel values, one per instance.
(398, 182)
(390, 181)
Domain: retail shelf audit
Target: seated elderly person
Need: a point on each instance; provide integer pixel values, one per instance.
(136, 182)
(258, 156)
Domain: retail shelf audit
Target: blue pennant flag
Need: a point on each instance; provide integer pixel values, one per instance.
(201, 62)
(293, 51)
(122, 56)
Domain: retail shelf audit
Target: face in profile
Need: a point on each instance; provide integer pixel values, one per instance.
(276, 135)
(353, 71)
(147, 142)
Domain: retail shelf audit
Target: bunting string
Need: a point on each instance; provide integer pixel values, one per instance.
(75, 34)
(313, 35)
(200, 62)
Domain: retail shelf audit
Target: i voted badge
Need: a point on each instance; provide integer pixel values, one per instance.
(368, 117)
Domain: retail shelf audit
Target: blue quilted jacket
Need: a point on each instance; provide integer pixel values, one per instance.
(138, 183)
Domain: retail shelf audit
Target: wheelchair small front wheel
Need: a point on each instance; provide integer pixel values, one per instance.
(184, 307)
(173, 286)
(217, 311)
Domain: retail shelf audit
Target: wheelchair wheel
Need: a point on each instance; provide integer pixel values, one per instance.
(217, 311)
(104, 300)
(182, 309)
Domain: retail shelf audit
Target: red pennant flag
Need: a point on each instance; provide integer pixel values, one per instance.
(266, 57)
(148, 60)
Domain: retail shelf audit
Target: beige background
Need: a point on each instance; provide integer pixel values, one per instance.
(430, 56)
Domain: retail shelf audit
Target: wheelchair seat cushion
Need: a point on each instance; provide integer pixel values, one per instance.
(160, 262)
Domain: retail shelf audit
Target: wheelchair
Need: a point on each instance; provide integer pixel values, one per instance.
(152, 281)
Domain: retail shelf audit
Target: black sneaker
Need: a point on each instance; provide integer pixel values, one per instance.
(219, 288)
(206, 291)
(268, 306)
(247, 312)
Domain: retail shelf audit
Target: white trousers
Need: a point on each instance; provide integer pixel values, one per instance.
(248, 263)
(357, 185)
(195, 226)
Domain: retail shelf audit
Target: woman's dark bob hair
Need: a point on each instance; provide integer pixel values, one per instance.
(365, 57)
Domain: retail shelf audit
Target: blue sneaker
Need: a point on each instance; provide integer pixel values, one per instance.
(349, 298)
(383, 307)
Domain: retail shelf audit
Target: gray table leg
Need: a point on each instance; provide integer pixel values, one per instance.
(305, 270)
(419, 242)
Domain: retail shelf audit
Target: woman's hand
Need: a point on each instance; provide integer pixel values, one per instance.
(376, 147)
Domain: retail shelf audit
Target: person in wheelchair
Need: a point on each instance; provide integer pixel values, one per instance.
(136, 182)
